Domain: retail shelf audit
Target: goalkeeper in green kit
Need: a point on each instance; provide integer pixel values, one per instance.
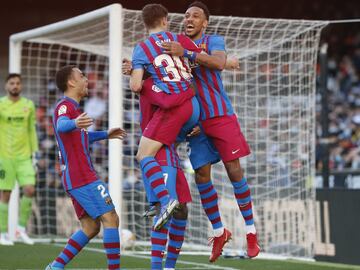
(18, 144)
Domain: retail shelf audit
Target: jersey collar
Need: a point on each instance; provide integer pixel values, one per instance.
(73, 101)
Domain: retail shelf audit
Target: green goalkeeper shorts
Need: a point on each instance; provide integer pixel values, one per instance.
(12, 170)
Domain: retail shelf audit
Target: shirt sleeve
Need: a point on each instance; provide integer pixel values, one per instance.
(216, 43)
(65, 124)
(188, 44)
(155, 96)
(138, 58)
(32, 129)
(97, 136)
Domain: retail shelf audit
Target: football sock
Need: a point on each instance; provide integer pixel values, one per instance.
(112, 247)
(243, 198)
(76, 242)
(158, 244)
(209, 201)
(176, 239)
(152, 172)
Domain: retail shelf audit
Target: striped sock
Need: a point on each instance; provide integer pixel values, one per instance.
(111, 240)
(153, 173)
(243, 198)
(158, 245)
(209, 200)
(76, 242)
(176, 239)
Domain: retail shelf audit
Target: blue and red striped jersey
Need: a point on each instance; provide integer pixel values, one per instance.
(172, 74)
(166, 156)
(76, 166)
(209, 87)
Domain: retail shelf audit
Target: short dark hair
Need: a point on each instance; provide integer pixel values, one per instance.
(12, 75)
(201, 5)
(152, 14)
(62, 77)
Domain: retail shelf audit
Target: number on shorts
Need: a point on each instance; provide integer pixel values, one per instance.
(103, 191)
(166, 176)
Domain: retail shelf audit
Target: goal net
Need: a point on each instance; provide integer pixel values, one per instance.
(273, 95)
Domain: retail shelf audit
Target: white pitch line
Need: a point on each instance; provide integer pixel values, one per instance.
(205, 266)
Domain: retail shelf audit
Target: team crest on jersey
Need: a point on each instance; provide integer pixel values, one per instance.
(156, 89)
(108, 200)
(62, 110)
(203, 46)
(25, 109)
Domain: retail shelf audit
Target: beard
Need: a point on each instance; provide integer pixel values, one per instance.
(14, 94)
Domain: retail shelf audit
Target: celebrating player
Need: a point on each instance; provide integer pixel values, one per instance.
(173, 76)
(90, 196)
(224, 138)
(18, 143)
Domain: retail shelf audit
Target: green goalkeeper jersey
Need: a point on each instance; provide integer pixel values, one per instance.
(18, 139)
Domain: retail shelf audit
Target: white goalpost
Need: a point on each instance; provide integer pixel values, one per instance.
(273, 95)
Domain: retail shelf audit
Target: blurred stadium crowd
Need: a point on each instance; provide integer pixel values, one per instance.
(343, 85)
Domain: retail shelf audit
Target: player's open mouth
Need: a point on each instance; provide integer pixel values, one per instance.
(190, 27)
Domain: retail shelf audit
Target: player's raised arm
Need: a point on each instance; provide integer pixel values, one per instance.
(113, 133)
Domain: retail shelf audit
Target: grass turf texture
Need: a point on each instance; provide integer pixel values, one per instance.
(38, 256)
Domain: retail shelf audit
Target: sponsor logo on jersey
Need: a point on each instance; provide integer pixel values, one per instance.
(156, 89)
(62, 110)
(15, 118)
(203, 46)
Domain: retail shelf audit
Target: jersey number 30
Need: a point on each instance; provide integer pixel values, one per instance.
(175, 69)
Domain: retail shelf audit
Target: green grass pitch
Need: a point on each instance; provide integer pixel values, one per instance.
(38, 256)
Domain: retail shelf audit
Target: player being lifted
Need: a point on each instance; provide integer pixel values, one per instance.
(90, 196)
(220, 125)
(173, 76)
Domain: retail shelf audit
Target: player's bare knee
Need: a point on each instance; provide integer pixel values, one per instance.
(90, 226)
(138, 156)
(234, 170)
(202, 175)
(110, 219)
(5, 196)
(182, 212)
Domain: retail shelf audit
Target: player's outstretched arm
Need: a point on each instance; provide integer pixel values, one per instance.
(232, 63)
(113, 133)
(216, 60)
(116, 133)
(65, 124)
